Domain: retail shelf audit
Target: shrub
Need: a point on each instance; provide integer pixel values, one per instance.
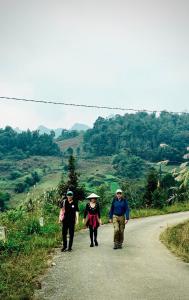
(15, 174)
(32, 226)
(20, 187)
(14, 215)
(159, 198)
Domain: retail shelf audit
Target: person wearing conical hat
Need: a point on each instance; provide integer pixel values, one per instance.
(92, 218)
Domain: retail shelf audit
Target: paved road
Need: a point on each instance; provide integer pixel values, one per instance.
(143, 269)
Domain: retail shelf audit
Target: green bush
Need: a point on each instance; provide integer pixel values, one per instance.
(14, 215)
(29, 181)
(32, 226)
(20, 187)
(159, 198)
(15, 174)
(50, 229)
(4, 197)
(82, 206)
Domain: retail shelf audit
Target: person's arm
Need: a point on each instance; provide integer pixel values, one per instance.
(77, 217)
(111, 212)
(77, 214)
(126, 212)
(98, 213)
(62, 211)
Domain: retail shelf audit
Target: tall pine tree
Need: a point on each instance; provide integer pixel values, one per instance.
(73, 182)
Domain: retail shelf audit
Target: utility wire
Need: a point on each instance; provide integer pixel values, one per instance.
(89, 106)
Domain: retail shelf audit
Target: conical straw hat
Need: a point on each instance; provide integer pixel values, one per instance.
(91, 196)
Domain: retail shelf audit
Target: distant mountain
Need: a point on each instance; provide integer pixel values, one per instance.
(80, 127)
(42, 129)
(18, 130)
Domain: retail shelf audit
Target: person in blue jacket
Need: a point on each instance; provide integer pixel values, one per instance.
(119, 215)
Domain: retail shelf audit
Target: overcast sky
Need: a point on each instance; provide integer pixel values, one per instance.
(129, 53)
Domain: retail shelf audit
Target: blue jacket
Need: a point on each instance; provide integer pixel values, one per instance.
(119, 208)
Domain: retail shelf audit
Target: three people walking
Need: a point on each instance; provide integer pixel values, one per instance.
(69, 216)
(119, 215)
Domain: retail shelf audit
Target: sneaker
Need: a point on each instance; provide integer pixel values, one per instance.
(63, 249)
(91, 245)
(119, 246)
(115, 247)
(69, 249)
(96, 243)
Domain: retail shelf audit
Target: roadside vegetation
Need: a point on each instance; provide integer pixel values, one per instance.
(176, 238)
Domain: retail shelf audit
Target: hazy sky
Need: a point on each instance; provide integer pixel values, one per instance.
(129, 53)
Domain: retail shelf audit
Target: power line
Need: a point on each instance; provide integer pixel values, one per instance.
(89, 106)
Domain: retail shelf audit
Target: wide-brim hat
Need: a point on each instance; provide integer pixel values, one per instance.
(93, 196)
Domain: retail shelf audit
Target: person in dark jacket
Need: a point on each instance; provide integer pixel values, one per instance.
(119, 215)
(92, 212)
(70, 218)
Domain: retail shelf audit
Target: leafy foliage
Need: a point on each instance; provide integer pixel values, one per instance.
(151, 186)
(141, 134)
(134, 192)
(68, 134)
(26, 143)
(129, 166)
(28, 182)
(4, 197)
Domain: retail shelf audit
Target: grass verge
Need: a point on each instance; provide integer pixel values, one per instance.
(26, 252)
(177, 207)
(176, 239)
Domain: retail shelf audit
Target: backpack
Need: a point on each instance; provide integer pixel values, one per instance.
(62, 211)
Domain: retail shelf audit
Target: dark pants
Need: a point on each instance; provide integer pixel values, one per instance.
(93, 231)
(68, 226)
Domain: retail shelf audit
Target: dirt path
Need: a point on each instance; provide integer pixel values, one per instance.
(143, 269)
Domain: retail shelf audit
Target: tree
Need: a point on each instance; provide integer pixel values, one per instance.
(78, 151)
(134, 192)
(4, 197)
(159, 198)
(142, 134)
(20, 187)
(73, 181)
(151, 186)
(68, 134)
(103, 192)
(129, 166)
(26, 143)
(70, 151)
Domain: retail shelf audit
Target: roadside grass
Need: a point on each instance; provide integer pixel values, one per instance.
(26, 252)
(176, 238)
(147, 212)
(18, 274)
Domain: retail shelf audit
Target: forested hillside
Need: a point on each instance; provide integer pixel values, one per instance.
(27, 143)
(148, 136)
